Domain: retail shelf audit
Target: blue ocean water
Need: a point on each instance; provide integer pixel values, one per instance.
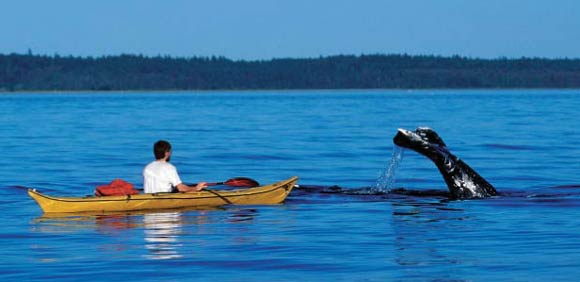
(525, 142)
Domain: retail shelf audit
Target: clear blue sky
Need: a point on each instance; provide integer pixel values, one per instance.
(263, 29)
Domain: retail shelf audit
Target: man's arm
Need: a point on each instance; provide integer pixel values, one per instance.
(194, 188)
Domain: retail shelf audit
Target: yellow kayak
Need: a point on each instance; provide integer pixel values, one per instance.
(264, 195)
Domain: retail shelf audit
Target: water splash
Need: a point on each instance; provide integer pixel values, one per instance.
(387, 177)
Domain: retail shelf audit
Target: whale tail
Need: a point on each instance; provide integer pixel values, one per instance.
(463, 181)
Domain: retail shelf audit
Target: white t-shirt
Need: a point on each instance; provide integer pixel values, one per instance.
(159, 176)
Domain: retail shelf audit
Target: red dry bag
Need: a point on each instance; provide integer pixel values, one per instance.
(117, 187)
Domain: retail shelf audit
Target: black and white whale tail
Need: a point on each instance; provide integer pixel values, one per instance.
(463, 182)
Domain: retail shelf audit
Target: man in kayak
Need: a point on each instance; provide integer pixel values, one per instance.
(161, 176)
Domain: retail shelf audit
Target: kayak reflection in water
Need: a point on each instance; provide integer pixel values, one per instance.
(162, 231)
(160, 176)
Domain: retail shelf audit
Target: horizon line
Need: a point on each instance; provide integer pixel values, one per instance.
(222, 57)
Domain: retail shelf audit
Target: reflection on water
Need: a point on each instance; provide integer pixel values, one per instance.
(162, 235)
(243, 215)
(421, 236)
(110, 222)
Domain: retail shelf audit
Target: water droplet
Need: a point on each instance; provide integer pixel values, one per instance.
(387, 177)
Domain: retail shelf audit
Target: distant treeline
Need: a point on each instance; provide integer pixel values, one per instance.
(28, 72)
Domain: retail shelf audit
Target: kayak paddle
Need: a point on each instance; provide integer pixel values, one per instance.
(236, 182)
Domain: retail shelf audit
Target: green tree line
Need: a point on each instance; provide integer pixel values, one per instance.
(28, 72)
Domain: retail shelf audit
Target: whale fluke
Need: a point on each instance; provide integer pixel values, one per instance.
(463, 182)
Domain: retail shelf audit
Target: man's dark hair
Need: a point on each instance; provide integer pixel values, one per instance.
(160, 148)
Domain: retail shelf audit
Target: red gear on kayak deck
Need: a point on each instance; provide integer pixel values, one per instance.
(117, 187)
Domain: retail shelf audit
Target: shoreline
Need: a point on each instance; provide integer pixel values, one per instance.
(201, 91)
